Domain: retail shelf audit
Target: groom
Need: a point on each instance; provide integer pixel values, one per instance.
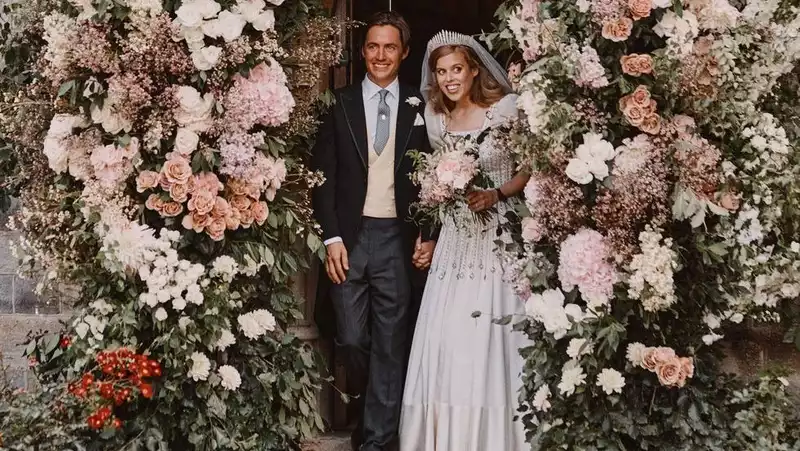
(373, 251)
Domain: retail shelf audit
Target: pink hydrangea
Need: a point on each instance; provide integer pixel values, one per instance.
(260, 98)
(584, 262)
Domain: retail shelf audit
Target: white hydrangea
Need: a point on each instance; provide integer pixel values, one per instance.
(610, 381)
(200, 367)
(680, 31)
(231, 380)
(652, 271)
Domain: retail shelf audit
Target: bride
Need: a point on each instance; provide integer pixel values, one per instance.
(464, 372)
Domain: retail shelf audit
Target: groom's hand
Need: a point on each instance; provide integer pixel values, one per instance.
(336, 263)
(423, 253)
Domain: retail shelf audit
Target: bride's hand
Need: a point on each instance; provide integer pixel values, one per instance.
(482, 200)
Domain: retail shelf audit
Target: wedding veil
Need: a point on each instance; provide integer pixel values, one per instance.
(445, 37)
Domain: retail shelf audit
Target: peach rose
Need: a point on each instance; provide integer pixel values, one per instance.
(641, 96)
(635, 115)
(246, 218)
(146, 180)
(208, 181)
(687, 367)
(618, 30)
(651, 108)
(232, 221)
(669, 374)
(164, 182)
(260, 212)
(179, 192)
(202, 202)
(655, 357)
(177, 170)
(730, 201)
(196, 222)
(651, 124)
(635, 65)
(221, 209)
(216, 229)
(171, 209)
(640, 8)
(241, 203)
(237, 186)
(154, 203)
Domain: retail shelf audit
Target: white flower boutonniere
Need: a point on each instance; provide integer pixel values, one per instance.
(413, 101)
(419, 121)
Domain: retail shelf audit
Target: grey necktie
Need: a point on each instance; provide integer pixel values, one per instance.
(382, 125)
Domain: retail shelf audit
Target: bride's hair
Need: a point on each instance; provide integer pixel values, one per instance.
(485, 89)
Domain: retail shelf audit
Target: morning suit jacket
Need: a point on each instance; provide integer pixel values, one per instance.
(341, 154)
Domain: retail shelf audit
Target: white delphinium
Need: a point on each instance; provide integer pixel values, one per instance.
(571, 378)
(541, 399)
(231, 380)
(610, 381)
(200, 367)
(579, 347)
(652, 271)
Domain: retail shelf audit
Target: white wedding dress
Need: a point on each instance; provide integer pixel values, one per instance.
(461, 390)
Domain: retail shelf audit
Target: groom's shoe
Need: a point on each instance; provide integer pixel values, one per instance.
(356, 440)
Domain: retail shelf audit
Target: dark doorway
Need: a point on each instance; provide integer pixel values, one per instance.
(426, 18)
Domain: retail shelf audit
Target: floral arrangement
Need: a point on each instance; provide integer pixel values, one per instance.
(158, 152)
(445, 177)
(660, 214)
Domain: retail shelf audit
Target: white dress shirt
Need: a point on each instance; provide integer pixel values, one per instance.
(370, 92)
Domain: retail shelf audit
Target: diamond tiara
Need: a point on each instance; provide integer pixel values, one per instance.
(446, 37)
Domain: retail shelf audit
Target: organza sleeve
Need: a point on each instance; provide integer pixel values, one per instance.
(505, 110)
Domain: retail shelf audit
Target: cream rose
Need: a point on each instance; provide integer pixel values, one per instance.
(202, 202)
(237, 186)
(146, 180)
(177, 170)
(640, 8)
(179, 192)
(195, 110)
(618, 30)
(186, 141)
(232, 220)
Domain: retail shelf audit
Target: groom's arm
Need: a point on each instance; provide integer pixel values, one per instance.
(323, 197)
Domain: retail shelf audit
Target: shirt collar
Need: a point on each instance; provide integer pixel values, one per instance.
(370, 89)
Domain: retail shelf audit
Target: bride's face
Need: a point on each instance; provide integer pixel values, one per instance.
(454, 76)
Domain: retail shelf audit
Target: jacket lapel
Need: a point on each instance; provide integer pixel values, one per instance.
(405, 125)
(353, 106)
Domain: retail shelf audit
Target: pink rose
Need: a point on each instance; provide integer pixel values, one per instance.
(216, 229)
(202, 202)
(641, 96)
(154, 203)
(232, 221)
(146, 180)
(618, 30)
(684, 124)
(177, 170)
(260, 212)
(171, 209)
(221, 208)
(237, 186)
(655, 357)
(164, 182)
(635, 65)
(246, 218)
(687, 367)
(669, 373)
(640, 8)
(651, 124)
(241, 203)
(179, 192)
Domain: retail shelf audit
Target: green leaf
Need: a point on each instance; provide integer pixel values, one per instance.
(65, 87)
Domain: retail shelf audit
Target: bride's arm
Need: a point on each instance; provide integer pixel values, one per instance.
(485, 199)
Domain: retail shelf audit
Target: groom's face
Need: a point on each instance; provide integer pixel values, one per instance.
(383, 52)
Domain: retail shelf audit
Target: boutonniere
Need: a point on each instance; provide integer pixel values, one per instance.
(418, 121)
(413, 101)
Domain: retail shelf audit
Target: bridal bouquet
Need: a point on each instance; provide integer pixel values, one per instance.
(446, 177)
(661, 214)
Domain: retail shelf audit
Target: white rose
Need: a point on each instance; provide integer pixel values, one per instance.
(578, 171)
(737, 318)
(228, 25)
(194, 37)
(179, 303)
(112, 123)
(189, 15)
(265, 21)
(599, 168)
(195, 111)
(82, 329)
(206, 58)
(161, 314)
(62, 124)
(225, 340)
(201, 366)
(209, 8)
(662, 3)
(186, 141)
(250, 9)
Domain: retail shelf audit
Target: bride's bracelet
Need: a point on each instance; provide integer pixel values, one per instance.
(500, 196)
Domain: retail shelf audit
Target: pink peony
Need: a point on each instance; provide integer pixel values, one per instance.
(583, 262)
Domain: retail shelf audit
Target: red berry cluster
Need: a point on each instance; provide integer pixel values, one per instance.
(65, 342)
(122, 372)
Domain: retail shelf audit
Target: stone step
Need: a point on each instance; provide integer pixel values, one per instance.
(329, 442)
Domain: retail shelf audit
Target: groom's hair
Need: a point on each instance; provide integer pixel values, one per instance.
(392, 18)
